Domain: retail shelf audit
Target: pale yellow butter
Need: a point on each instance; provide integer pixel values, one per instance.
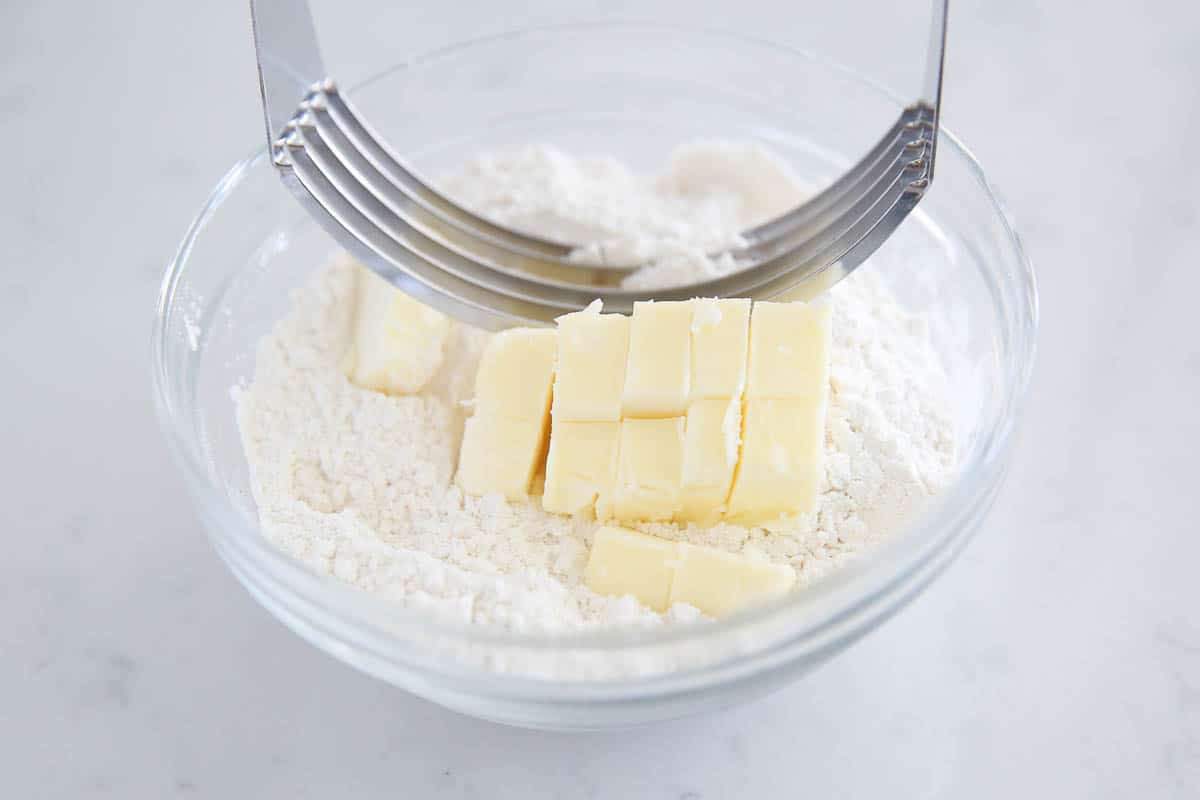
(719, 583)
(590, 367)
(500, 455)
(650, 467)
(720, 336)
(789, 350)
(657, 373)
(397, 342)
(505, 441)
(624, 562)
(516, 373)
(691, 411)
(659, 573)
(581, 468)
(710, 454)
(782, 447)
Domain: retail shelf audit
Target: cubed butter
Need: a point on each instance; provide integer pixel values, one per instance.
(516, 373)
(783, 442)
(500, 455)
(710, 454)
(789, 350)
(720, 583)
(504, 442)
(581, 468)
(626, 562)
(650, 469)
(590, 368)
(659, 573)
(398, 343)
(658, 371)
(691, 411)
(720, 336)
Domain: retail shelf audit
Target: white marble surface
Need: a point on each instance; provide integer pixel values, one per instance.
(1059, 658)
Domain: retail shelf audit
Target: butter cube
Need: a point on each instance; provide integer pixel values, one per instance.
(626, 562)
(720, 336)
(789, 350)
(710, 453)
(649, 469)
(516, 373)
(398, 343)
(500, 455)
(505, 441)
(658, 370)
(581, 469)
(783, 442)
(590, 369)
(719, 583)
(660, 573)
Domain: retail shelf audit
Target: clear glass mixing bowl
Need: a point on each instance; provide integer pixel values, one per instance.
(634, 91)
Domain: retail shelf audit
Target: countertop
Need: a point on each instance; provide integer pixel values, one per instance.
(1060, 657)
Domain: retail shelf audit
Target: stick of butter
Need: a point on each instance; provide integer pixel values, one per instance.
(398, 342)
(505, 440)
(660, 573)
(692, 411)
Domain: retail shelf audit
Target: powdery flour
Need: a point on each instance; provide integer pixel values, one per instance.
(359, 485)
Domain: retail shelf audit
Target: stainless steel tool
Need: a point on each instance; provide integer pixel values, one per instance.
(380, 210)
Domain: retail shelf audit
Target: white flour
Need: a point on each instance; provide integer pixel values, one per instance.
(711, 192)
(358, 484)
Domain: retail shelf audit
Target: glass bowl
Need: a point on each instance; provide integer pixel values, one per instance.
(957, 259)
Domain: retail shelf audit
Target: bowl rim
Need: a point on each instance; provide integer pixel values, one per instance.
(876, 574)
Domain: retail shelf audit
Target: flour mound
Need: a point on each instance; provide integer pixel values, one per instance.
(359, 485)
